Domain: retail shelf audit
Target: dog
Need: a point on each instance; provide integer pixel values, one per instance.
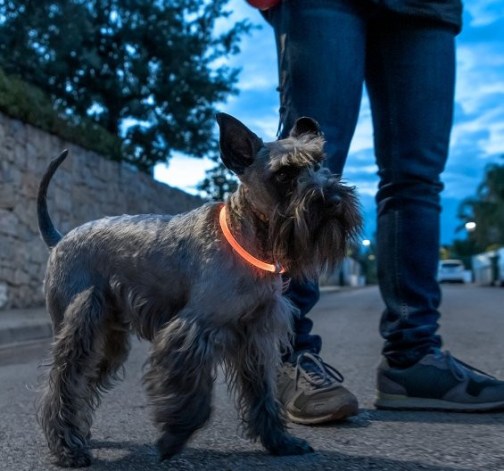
(204, 287)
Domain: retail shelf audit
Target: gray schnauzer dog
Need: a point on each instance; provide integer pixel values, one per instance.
(204, 287)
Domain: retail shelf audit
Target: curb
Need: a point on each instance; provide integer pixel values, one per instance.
(28, 325)
(19, 326)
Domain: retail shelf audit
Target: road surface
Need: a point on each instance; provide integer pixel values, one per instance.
(473, 329)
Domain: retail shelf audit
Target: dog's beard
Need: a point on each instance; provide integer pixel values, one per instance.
(311, 235)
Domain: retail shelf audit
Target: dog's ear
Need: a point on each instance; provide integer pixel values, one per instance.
(305, 125)
(238, 144)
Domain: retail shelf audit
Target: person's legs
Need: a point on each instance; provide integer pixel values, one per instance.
(321, 51)
(304, 295)
(321, 48)
(410, 79)
(321, 56)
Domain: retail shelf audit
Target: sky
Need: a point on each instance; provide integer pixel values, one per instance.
(477, 137)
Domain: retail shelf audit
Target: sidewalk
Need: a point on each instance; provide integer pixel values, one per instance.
(24, 325)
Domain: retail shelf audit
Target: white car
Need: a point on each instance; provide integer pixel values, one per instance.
(452, 270)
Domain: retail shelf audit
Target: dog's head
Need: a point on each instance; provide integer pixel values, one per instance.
(311, 215)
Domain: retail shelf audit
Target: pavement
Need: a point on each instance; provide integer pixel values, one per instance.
(24, 325)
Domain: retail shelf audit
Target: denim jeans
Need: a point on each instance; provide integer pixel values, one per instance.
(327, 50)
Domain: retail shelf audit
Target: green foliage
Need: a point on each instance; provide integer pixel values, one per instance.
(486, 209)
(219, 183)
(147, 71)
(30, 105)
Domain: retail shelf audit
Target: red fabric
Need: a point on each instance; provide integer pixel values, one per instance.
(263, 4)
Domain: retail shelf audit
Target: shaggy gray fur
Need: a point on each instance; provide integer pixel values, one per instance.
(175, 281)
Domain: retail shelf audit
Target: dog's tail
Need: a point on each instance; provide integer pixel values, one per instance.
(47, 230)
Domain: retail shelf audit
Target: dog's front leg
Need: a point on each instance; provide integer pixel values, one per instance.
(255, 371)
(180, 382)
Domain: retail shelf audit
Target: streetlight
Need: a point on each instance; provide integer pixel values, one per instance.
(470, 226)
(365, 260)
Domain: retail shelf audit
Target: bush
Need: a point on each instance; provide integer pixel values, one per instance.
(27, 103)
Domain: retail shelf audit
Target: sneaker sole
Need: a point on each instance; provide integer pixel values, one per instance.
(399, 402)
(340, 415)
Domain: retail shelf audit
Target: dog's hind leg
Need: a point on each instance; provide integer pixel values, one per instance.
(113, 354)
(67, 404)
(111, 357)
(179, 382)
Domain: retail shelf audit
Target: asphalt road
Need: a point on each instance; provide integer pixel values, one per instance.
(473, 328)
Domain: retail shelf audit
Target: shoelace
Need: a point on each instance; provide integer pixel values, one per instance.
(318, 374)
(457, 367)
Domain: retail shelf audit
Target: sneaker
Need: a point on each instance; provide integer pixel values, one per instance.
(312, 393)
(438, 382)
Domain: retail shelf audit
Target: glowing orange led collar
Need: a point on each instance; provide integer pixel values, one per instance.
(273, 268)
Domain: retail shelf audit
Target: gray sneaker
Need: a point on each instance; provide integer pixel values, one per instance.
(438, 382)
(312, 393)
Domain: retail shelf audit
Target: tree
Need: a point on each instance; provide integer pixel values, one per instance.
(219, 183)
(486, 209)
(148, 71)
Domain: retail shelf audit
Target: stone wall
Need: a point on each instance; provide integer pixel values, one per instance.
(85, 187)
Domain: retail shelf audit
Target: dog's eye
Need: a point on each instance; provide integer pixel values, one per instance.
(317, 167)
(286, 174)
(282, 176)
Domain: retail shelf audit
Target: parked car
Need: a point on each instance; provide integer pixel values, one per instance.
(453, 271)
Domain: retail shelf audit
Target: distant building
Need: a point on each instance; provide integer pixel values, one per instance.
(488, 267)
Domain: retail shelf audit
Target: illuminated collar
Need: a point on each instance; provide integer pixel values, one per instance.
(273, 268)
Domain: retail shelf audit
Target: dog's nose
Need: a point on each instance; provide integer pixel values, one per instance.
(332, 196)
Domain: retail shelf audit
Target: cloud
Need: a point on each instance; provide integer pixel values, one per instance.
(183, 172)
(365, 187)
(480, 70)
(478, 132)
(483, 12)
(481, 134)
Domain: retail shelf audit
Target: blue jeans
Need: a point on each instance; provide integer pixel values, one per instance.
(327, 50)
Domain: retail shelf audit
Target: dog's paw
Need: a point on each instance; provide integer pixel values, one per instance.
(80, 458)
(290, 445)
(169, 445)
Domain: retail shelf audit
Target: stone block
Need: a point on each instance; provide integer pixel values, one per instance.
(29, 185)
(27, 214)
(21, 277)
(8, 223)
(8, 195)
(4, 294)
